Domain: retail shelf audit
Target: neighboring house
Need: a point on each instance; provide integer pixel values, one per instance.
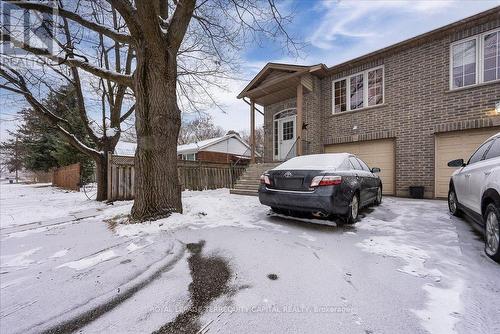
(228, 148)
(408, 108)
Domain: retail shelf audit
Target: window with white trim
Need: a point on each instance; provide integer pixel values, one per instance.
(464, 64)
(375, 87)
(475, 60)
(360, 90)
(491, 56)
(189, 156)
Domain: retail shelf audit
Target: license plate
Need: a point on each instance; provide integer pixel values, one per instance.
(289, 183)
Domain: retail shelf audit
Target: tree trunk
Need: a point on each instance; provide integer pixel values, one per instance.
(158, 119)
(102, 178)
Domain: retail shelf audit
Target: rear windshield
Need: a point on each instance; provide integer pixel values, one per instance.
(314, 162)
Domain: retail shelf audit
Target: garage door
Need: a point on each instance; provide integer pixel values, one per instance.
(376, 153)
(456, 145)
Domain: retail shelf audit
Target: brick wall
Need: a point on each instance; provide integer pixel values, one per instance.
(217, 157)
(418, 103)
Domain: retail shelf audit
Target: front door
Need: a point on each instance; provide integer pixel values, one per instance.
(286, 136)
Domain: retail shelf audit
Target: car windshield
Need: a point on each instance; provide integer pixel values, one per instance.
(314, 161)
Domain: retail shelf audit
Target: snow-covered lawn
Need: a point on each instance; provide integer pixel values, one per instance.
(27, 203)
(227, 266)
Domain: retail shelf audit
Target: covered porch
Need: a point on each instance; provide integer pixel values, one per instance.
(273, 84)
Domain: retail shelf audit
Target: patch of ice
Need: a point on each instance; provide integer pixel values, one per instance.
(133, 247)
(60, 253)
(20, 259)
(390, 246)
(307, 236)
(443, 308)
(90, 261)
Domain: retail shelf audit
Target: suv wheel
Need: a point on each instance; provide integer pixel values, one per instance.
(492, 235)
(352, 215)
(453, 203)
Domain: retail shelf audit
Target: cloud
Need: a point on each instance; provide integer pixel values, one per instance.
(366, 19)
(348, 29)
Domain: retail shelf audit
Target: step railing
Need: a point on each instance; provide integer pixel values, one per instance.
(292, 153)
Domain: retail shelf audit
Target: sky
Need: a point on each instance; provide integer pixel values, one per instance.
(336, 31)
(332, 31)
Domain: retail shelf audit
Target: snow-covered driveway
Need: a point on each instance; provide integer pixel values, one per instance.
(227, 266)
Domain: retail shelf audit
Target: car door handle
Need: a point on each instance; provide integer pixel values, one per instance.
(487, 173)
(467, 175)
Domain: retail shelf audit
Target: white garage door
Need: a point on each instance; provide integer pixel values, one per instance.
(376, 153)
(455, 145)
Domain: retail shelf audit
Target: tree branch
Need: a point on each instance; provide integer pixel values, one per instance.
(128, 113)
(40, 7)
(123, 79)
(179, 24)
(38, 107)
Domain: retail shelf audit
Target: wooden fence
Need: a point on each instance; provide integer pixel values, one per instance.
(193, 175)
(67, 177)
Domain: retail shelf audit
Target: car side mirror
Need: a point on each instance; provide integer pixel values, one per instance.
(375, 170)
(456, 163)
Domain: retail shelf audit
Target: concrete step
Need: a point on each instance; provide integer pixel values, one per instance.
(243, 192)
(248, 181)
(246, 187)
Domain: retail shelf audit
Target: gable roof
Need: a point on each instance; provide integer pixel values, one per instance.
(128, 148)
(272, 77)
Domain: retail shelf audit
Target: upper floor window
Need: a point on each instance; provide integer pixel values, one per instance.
(359, 90)
(491, 54)
(464, 63)
(475, 60)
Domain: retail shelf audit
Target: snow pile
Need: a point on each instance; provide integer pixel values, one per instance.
(206, 209)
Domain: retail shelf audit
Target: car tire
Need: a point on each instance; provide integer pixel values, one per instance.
(453, 203)
(277, 210)
(378, 199)
(492, 232)
(353, 212)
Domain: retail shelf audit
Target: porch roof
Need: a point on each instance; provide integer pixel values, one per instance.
(276, 82)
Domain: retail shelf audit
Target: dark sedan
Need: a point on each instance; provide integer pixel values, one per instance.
(323, 185)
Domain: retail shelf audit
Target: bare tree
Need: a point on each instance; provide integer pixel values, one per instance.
(259, 139)
(198, 129)
(181, 48)
(53, 70)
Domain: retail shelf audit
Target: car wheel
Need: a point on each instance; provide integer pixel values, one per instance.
(453, 203)
(352, 215)
(277, 210)
(492, 235)
(378, 199)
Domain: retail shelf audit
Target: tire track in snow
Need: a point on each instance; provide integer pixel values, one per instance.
(84, 315)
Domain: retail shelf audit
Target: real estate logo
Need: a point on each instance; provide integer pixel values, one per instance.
(23, 28)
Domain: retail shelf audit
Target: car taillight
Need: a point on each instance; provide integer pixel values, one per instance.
(327, 180)
(264, 179)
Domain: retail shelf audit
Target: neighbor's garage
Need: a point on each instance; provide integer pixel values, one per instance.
(376, 153)
(456, 145)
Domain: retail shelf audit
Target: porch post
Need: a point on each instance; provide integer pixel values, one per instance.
(252, 131)
(299, 122)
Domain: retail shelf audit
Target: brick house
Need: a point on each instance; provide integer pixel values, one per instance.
(408, 108)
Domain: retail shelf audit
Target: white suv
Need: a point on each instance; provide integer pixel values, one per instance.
(475, 191)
